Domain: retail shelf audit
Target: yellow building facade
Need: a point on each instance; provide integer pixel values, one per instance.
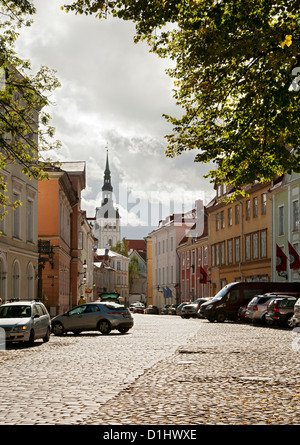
(240, 236)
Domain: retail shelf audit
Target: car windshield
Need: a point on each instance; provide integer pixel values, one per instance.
(15, 311)
(222, 292)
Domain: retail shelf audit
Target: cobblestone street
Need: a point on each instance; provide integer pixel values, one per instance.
(165, 371)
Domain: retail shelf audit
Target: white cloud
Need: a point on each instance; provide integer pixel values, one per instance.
(113, 95)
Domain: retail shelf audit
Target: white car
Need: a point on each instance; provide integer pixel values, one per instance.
(25, 321)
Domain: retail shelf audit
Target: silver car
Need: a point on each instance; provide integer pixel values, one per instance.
(97, 316)
(191, 309)
(25, 321)
(257, 308)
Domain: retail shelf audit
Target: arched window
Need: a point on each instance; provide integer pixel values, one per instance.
(16, 279)
(3, 276)
(30, 282)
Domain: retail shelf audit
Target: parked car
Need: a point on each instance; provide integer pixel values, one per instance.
(172, 309)
(281, 310)
(295, 320)
(151, 310)
(25, 321)
(226, 303)
(97, 316)
(139, 309)
(242, 313)
(191, 309)
(179, 308)
(165, 309)
(257, 308)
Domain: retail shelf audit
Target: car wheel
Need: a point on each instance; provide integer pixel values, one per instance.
(58, 329)
(123, 330)
(31, 338)
(47, 336)
(104, 327)
(220, 317)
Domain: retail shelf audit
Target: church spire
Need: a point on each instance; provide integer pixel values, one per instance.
(107, 187)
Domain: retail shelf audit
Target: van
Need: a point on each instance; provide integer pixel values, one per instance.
(226, 303)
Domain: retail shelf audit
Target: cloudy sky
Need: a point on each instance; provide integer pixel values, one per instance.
(113, 95)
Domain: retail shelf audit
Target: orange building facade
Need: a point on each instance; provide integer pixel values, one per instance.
(58, 224)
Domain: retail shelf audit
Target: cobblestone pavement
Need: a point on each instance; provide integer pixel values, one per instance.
(71, 378)
(166, 371)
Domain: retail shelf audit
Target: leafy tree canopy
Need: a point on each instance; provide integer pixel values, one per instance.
(235, 79)
(121, 247)
(25, 130)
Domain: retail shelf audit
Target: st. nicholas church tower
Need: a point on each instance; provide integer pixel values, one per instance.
(107, 224)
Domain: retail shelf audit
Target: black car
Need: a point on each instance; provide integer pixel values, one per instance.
(151, 310)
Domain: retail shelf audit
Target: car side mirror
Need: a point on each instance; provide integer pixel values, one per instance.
(36, 316)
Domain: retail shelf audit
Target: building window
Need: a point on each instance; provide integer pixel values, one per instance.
(295, 216)
(255, 246)
(182, 260)
(281, 220)
(230, 216)
(2, 225)
(30, 221)
(193, 261)
(205, 255)
(222, 220)
(16, 280)
(263, 244)
(30, 282)
(247, 247)
(229, 251)
(255, 207)
(237, 214)
(217, 255)
(213, 255)
(217, 221)
(248, 209)
(16, 218)
(237, 249)
(223, 253)
(263, 203)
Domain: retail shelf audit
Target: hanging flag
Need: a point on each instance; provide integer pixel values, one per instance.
(169, 292)
(203, 276)
(280, 259)
(293, 257)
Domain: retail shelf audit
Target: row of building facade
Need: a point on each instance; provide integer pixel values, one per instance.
(48, 247)
(235, 238)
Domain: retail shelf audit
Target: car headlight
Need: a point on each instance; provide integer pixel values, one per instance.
(209, 306)
(20, 328)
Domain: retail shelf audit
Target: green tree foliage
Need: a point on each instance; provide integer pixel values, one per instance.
(133, 269)
(25, 130)
(234, 79)
(121, 247)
